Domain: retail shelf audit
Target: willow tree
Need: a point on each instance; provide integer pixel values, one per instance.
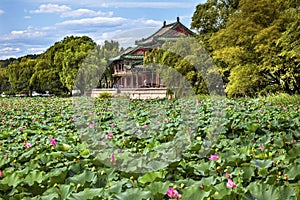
(4, 83)
(19, 74)
(72, 51)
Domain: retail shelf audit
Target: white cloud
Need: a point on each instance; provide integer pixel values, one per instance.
(9, 50)
(128, 37)
(27, 33)
(1, 12)
(149, 22)
(94, 21)
(129, 4)
(85, 12)
(137, 4)
(27, 17)
(51, 8)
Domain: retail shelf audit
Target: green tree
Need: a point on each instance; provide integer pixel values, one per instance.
(109, 50)
(96, 67)
(68, 58)
(210, 17)
(185, 63)
(45, 77)
(4, 81)
(57, 68)
(250, 42)
(19, 73)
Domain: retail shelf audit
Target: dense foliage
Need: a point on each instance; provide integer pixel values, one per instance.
(56, 69)
(51, 149)
(254, 43)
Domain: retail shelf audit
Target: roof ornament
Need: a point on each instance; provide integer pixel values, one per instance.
(165, 23)
(177, 19)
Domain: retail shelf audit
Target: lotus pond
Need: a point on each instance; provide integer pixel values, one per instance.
(66, 148)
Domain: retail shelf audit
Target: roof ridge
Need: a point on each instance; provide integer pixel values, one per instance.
(159, 30)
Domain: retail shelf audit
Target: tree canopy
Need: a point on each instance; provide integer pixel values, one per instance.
(56, 69)
(254, 43)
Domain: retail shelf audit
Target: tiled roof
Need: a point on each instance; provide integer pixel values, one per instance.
(125, 52)
(166, 32)
(160, 32)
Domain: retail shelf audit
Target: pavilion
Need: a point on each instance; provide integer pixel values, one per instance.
(128, 67)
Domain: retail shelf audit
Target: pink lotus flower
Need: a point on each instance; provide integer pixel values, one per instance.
(227, 175)
(28, 145)
(214, 157)
(231, 184)
(20, 128)
(262, 148)
(1, 174)
(112, 158)
(173, 194)
(53, 141)
(109, 136)
(112, 126)
(3, 122)
(202, 186)
(293, 141)
(259, 110)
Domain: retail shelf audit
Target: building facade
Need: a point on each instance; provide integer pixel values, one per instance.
(129, 68)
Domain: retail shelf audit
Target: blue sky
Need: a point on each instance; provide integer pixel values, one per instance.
(32, 26)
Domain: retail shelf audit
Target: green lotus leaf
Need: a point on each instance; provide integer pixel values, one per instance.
(13, 179)
(85, 177)
(286, 192)
(133, 194)
(261, 163)
(151, 177)
(195, 193)
(263, 191)
(158, 188)
(88, 193)
(293, 172)
(34, 176)
(221, 191)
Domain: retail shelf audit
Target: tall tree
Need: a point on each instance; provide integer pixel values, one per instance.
(211, 16)
(250, 43)
(19, 74)
(96, 66)
(45, 77)
(68, 58)
(184, 63)
(4, 83)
